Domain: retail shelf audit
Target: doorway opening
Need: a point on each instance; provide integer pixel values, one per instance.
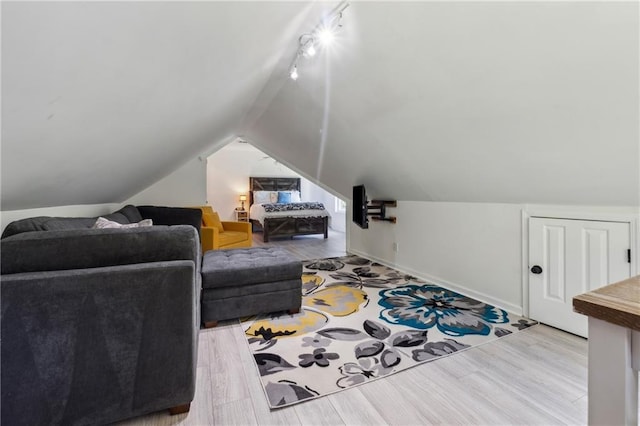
(228, 173)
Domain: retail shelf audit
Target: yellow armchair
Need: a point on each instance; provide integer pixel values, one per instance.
(216, 234)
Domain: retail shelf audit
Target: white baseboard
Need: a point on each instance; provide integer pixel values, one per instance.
(509, 307)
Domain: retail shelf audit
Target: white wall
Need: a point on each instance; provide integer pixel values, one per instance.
(313, 192)
(92, 210)
(184, 187)
(475, 248)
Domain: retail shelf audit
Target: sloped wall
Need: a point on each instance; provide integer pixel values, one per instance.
(488, 102)
(184, 187)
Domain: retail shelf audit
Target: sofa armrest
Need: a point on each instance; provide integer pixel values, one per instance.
(131, 330)
(90, 248)
(209, 238)
(237, 226)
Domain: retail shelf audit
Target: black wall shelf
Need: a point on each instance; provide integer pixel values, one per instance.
(377, 209)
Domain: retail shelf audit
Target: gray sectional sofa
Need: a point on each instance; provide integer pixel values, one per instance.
(99, 325)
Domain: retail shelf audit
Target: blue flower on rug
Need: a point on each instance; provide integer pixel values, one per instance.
(426, 306)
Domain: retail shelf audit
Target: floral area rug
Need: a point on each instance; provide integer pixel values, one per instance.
(361, 321)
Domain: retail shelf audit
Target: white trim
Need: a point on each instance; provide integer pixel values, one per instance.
(634, 242)
(524, 264)
(529, 212)
(509, 307)
(565, 213)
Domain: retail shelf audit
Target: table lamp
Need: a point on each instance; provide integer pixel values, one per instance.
(243, 198)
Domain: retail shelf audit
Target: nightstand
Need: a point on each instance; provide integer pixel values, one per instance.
(242, 216)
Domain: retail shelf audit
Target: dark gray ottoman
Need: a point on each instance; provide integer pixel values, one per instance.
(249, 281)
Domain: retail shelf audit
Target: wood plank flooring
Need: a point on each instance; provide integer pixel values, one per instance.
(538, 376)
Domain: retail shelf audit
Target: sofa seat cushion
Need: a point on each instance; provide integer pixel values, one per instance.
(231, 237)
(248, 266)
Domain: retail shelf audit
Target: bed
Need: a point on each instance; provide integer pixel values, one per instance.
(284, 219)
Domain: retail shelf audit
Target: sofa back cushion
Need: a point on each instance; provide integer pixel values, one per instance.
(213, 220)
(25, 225)
(172, 215)
(66, 223)
(91, 248)
(130, 212)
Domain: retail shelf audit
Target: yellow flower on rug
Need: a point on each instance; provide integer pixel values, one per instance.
(339, 301)
(287, 325)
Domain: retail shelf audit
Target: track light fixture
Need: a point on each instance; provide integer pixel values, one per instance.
(323, 34)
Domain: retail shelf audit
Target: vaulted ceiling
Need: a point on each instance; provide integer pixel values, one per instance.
(516, 102)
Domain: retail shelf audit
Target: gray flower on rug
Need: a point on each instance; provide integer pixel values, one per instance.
(319, 357)
(386, 345)
(397, 276)
(436, 349)
(361, 277)
(429, 305)
(271, 363)
(523, 323)
(499, 332)
(355, 260)
(286, 392)
(365, 369)
(325, 264)
(317, 341)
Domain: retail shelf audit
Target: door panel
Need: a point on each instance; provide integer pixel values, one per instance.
(576, 256)
(554, 247)
(595, 258)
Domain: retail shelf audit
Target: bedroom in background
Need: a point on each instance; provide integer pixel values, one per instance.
(228, 172)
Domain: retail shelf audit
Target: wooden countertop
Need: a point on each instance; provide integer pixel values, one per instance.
(617, 303)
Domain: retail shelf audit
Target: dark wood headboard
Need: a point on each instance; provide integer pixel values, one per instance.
(272, 184)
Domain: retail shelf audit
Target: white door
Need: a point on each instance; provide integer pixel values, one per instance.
(569, 257)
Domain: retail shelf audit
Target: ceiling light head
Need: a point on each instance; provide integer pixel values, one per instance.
(307, 45)
(294, 73)
(310, 50)
(326, 36)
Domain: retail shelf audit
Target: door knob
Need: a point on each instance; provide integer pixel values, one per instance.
(536, 269)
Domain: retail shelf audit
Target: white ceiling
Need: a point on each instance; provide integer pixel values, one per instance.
(516, 102)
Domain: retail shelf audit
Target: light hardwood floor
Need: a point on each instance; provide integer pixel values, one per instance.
(535, 377)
